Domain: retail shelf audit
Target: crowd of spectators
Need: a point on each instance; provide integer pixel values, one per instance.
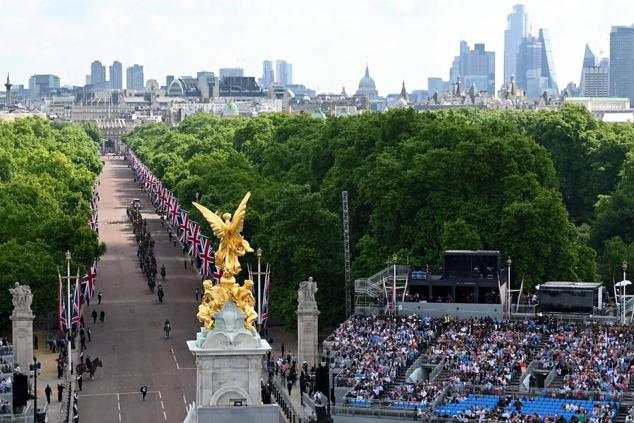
(373, 351)
(592, 357)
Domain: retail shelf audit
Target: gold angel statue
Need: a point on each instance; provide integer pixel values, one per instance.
(228, 231)
(232, 246)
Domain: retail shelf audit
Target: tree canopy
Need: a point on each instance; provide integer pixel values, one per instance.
(46, 177)
(525, 183)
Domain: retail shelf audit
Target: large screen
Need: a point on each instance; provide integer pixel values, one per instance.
(561, 300)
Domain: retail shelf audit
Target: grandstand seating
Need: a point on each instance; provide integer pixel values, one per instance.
(472, 403)
(566, 408)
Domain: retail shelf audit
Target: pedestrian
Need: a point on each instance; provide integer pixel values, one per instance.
(81, 320)
(144, 391)
(81, 356)
(48, 391)
(289, 385)
(197, 293)
(80, 381)
(163, 272)
(94, 314)
(282, 349)
(83, 343)
(102, 316)
(89, 333)
(60, 370)
(60, 390)
(82, 332)
(99, 296)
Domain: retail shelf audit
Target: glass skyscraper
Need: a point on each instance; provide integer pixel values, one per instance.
(475, 66)
(116, 75)
(621, 78)
(135, 79)
(517, 30)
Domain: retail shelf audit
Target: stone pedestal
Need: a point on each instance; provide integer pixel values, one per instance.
(22, 323)
(228, 367)
(307, 324)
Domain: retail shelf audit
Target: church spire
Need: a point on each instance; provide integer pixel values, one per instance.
(367, 71)
(403, 92)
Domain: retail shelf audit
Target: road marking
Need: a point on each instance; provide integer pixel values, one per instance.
(117, 394)
(160, 397)
(119, 407)
(164, 415)
(174, 355)
(184, 400)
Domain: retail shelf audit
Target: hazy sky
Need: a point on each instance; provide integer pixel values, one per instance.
(329, 42)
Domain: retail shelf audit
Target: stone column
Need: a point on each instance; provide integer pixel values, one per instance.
(22, 322)
(307, 324)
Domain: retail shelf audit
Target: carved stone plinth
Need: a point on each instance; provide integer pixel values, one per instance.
(228, 363)
(307, 323)
(22, 325)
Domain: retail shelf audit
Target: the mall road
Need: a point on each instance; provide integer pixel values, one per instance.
(131, 342)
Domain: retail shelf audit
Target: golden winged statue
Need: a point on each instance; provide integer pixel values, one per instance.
(232, 246)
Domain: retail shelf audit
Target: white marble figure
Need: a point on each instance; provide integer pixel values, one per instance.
(22, 297)
(306, 294)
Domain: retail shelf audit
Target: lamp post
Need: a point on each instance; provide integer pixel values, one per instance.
(35, 368)
(394, 259)
(259, 254)
(623, 291)
(68, 306)
(508, 286)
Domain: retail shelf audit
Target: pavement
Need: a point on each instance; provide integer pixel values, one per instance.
(131, 342)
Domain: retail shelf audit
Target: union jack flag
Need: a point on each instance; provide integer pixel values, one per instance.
(159, 194)
(61, 305)
(75, 316)
(168, 199)
(88, 283)
(93, 222)
(172, 207)
(193, 238)
(184, 225)
(206, 254)
(176, 213)
(217, 276)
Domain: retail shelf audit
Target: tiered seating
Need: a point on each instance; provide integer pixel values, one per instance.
(472, 406)
(566, 408)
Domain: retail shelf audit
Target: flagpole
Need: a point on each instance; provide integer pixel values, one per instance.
(68, 322)
(259, 254)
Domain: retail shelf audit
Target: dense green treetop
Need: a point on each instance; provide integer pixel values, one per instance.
(47, 172)
(418, 183)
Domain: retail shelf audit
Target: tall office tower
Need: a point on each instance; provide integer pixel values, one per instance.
(283, 73)
(168, 80)
(437, 85)
(116, 75)
(535, 66)
(135, 80)
(268, 75)
(42, 85)
(517, 30)
(224, 72)
(621, 78)
(594, 75)
(97, 74)
(475, 66)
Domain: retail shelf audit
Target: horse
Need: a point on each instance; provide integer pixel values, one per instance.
(82, 368)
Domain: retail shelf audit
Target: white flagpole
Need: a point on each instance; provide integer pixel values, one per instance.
(68, 323)
(259, 254)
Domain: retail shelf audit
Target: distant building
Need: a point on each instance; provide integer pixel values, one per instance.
(283, 73)
(97, 75)
(535, 66)
(621, 80)
(475, 67)
(367, 87)
(224, 72)
(116, 75)
(301, 90)
(517, 30)
(134, 78)
(437, 85)
(268, 75)
(608, 109)
(594, 76)
(43, 85)
(240, 86)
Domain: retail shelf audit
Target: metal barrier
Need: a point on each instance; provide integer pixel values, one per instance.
(285, 403)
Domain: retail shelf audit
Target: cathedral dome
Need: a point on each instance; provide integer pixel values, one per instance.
(367, 83)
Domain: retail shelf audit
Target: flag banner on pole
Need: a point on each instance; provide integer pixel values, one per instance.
(88, 283)
(176, 213)
(193, 239)
(265, 296)
(184, 226)
(76, 310)
(61, 304)
(217, 276)
(206, 252)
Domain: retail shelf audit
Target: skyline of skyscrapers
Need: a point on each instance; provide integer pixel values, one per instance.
(226, 72)
(42, 85)
(98, 74)
(621, 79)
(594, 75)
(268, 75)
(283, 73)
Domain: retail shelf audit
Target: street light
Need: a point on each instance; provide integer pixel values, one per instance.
(508, 286)
(35, 368)
(394, 260)
(259, 254)
(622, 285)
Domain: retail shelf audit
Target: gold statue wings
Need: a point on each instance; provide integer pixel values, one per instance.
(225, 229)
